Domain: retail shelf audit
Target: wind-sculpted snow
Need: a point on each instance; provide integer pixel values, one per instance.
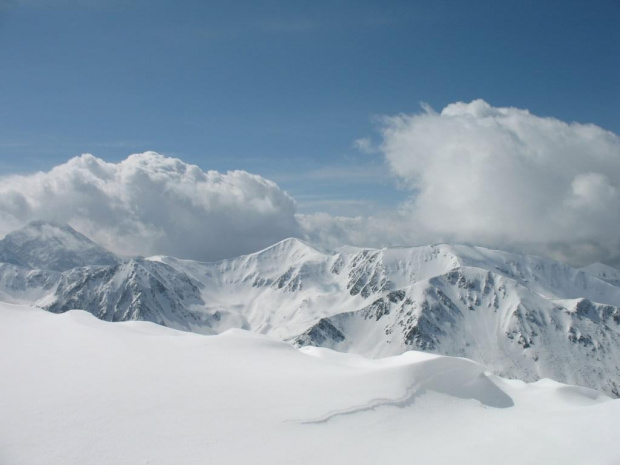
(456, 378)
(523, 317)
(79, 390)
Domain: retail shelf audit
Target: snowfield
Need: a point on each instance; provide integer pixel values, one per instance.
(78, 390)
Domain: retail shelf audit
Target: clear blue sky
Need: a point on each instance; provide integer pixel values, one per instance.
(283, 88)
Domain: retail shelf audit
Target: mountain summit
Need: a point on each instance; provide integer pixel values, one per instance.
(51, 246)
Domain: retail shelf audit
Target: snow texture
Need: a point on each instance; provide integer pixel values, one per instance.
(79, 390)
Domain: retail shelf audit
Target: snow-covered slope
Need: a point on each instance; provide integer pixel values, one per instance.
(604, 272)
(523, 317)
(24, 285)
(51, 246)
(79, 390)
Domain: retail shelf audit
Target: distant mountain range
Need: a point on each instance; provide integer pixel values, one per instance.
(522, 316)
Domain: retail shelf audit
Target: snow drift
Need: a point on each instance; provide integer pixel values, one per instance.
(79, 390)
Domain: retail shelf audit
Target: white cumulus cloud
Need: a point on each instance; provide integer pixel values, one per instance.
(499, 177)
(152, 204)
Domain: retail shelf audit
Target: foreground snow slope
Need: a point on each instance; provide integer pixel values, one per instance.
(74, 389)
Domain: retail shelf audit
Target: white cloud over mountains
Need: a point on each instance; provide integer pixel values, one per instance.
(504, 177)
(151, 204)
(497, 177)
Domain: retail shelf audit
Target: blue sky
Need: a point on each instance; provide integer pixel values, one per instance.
(284, 88)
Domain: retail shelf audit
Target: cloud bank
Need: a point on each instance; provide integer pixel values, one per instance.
(498, 177)
(151, 204)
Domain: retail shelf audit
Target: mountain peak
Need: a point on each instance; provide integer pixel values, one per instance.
(293, 246)
(52, 246)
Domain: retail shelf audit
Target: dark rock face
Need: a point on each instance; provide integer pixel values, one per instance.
(322, 334)
(366, 275)
(135, 290)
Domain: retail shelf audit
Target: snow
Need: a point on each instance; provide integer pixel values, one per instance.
(52, 246)
(522, 317)
(79, 390)
(513, 313)
(604, 272)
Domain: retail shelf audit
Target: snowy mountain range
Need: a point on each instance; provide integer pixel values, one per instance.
(523, 317)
